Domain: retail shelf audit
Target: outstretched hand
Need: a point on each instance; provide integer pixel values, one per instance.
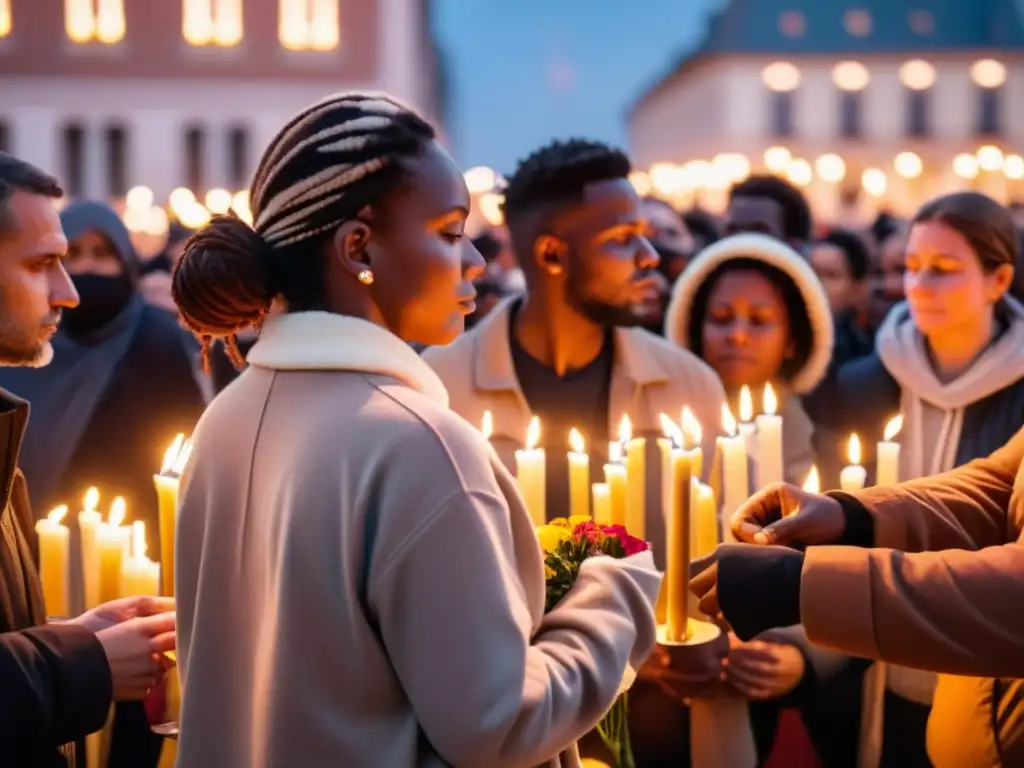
(118, 611)
(784, 514)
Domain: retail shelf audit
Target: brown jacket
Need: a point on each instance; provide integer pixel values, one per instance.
(943, 591)
(359, 583)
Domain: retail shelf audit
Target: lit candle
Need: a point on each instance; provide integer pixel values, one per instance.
(735, 470)
(704, 536)
(114, 540)
(140, 575)
(89, 521)
(813, 482)
(747, 427)
(636, 479)
(579, 475)
(530, 474)
(677, 560)
(54, 554)
(888, 463)
(615, 477)
(693, 433)
(487, 425)
(769, 465)
(167, 483)
(853, 476)
(602, 504)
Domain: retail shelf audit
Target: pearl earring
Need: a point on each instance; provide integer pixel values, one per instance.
(365, 277)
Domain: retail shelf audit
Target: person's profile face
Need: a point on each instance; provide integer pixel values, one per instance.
(833, 270)
(423, 263)
(609, 261)
(34, 286)
(745, 333)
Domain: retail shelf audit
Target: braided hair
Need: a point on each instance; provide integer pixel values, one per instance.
(325, 167)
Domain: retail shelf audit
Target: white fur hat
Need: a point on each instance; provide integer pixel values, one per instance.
(772, 252)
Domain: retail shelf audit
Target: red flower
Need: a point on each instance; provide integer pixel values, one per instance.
(630, 544)
(588, 531)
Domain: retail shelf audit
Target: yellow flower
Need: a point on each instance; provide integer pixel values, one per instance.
(575, 520)
(561, 522)
(550, 536)
(549, 572)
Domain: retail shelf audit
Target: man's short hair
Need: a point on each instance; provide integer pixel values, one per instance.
(796, 213)
(560, 171)
(854, 249)
(16, 174)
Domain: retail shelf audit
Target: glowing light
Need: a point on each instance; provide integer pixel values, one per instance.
(625, 429)
(988, 73)
(576, 443)
(850, 76)
(667, 178)
(533, 434)
(118, 509)
(139, 198)
(770, 403)
(831, 168)
(874, 182)
(487, 425)
(777, 159)
(57, 514)
(480, 179)
(490, 208)
(641, 182)
(728, 421)
(965, 166)
(917, 75)
(156, 222)
(908, 165)
(91, 500)
(781, 76)
(989, 157)
(691, 427)
(308, 25)
(110, 24)
(893, 427)
(799, 172)
(218, 201)
(746, 405)
(1013, 166)
(139, 546)
(813, 482)
(853, 449)
(5, 18)
(671, 431)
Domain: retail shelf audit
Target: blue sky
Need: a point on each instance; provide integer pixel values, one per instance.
(526, 71)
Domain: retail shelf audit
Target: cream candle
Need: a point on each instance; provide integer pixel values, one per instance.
(54, 558)
(579, 475)
(89, 521)
(139, 575)
(735, 470)
(114, 541)
(693, 433)
(602, 504)
(531, 474)
(887, 470)
(615, 477)
(769, 466)
(167, 484)
(677, 560)
(636, 479)
(704, 534)
(853, 476)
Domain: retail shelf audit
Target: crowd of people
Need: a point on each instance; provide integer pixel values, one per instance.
(358, 580)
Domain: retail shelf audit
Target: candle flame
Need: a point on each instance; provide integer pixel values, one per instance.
(615, 452)
(691, 427)
(728, 421)
(625, 429)
(182, 460)
(533, 434)
(769, 402)
(118, 510)
(171, 454)
(893, 427)
(813, 482)
(57, 514)
(853, 452)
(671, 430)
(91, 500)
(746, 405)
(139, 539)
(576, 442)
(487, 425)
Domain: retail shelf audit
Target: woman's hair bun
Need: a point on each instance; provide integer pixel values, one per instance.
(223, 282)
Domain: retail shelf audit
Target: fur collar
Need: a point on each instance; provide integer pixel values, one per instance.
(322, 341)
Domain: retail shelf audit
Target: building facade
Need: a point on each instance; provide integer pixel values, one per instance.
(110, 94)
(866, 103)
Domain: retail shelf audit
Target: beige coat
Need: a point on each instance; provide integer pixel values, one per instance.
(360, 585)
(650, 376)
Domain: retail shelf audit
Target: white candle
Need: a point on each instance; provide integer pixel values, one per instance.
(114, 544)
(487, 425)
(888, 464)
(579, 475)
(636, 479)
(735, 471)
(89, 521)
(54, 556)
(693, 433)
(854, 476)
(769, 466)
(531, 474)
(139, 575)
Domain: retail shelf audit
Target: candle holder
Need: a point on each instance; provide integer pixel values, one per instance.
(168, 730)
(720, 732)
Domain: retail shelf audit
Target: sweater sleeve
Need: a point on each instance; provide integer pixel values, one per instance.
(56, 684)
(455, 619)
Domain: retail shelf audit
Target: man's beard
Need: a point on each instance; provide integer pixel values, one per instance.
(603, 314)
(20, 358)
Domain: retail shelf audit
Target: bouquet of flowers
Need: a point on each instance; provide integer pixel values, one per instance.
(566, 543)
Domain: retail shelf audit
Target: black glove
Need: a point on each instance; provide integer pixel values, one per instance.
(759, 587)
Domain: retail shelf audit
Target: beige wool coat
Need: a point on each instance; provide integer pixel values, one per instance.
(360, 584)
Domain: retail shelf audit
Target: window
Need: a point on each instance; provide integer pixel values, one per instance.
(5, 18)
(857, 22)
(238, 156)
(195, 162)
(212, 22)
(782, 114)
(990, 112)
(918, 113)
(100, 21)
(793, 24)
(5, 136)
(74, 159)
(115, 138)
(850, 111)
(308, 25)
